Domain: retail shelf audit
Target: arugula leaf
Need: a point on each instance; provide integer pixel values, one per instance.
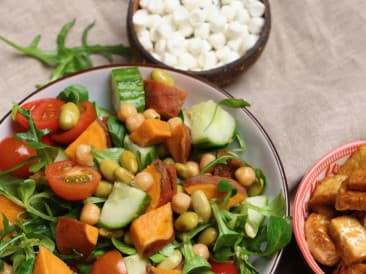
(123, 248)
(65, 60)
(234, 103)
(219, 160)
(225, 186)
(74, 93)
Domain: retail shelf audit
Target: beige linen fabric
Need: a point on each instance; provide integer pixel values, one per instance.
(307, 89)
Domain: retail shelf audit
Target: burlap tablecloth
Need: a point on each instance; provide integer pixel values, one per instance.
(307, 89)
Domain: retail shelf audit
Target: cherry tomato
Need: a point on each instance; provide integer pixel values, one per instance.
(87, 116)
(223, 268)
(45, 113)
(71, 181)
(110, 262)
(13, 153)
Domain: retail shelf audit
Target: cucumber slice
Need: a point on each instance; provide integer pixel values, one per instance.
(144, 155)
(135, 264)
(211, 125)
(128, 87)
(255, 218)
(123, 205)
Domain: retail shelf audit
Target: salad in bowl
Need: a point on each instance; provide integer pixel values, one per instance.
(138, 169)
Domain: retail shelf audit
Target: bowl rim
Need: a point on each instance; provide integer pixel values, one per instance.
(284, 183)
(258, 46)
(304, 187)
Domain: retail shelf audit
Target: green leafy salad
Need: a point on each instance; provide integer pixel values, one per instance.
(151, 186)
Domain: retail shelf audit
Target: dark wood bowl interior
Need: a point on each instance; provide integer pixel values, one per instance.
(222, 75)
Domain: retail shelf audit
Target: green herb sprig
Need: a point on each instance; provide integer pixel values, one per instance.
(65, 60)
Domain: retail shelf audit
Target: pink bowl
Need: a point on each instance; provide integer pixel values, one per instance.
(327, 165)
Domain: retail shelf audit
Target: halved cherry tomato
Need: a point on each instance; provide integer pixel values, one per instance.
(110, 262)
(87, 116)
(45, 113)
(14, 152)
(223, 268)
(71, 181)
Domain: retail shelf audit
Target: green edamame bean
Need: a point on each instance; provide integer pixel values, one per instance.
(69, 116)
(201, 205)
(187, 221)
(208, 236)
(108, 167)
(172, 261)
(128, 161)
(162, 76)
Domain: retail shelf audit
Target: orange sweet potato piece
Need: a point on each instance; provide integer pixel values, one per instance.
(153, 230)
(48, 263)
(166, 100)
(110, 262)
(73, 234)
(155, 270)
(151, 132)
(179, 144)
(9, 209)
(208, 184)
(95, 135)
(165, 183)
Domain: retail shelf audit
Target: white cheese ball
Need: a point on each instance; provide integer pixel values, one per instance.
(144, 37)
(236, 44)
(197, 17)
(256, 8)
(207, 60)
(154, 20)
(185, 30)
(235, 29)
(229, 12)
(176, 43)
(249, 41)
(218, 23)
(171, 5)
(195, 46)
(169, 59)
(202, 31)
(242, 16)
(156, 7)
(255, 25)
(144, 3)
(140, 18)
(211, 12)
(190, 4)
(181, 16)
(217, 40)
(187, 60)
(160, 46)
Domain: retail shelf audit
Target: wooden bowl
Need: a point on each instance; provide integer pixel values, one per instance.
(222, 75)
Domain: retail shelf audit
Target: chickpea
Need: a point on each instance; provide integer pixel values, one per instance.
(151, 114)
(206, 159)
(90, 214)
(134, 121)
(83, 155)
(245, 175)
(126, 110)
(169, 161)
(181, 202)
(187, 221)
(201, 205)
(7, 269)
(171, 261)
(201, 250)
(69, 116)
(192, 168)
(175, 121)
(208, 236)
(128, 161)
(143, 180)
(104, 188)
(107, 168)
(162, 76)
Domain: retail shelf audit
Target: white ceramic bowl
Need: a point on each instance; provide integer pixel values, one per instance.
(325, 166)
(260, 149)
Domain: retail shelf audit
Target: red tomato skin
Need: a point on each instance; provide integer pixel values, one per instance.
(223, 268)
(45, 113)
(14, 152)
(110, 262)
(57, 174)
(86, 118)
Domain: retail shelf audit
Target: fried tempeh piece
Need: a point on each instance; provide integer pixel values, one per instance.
(350, 239)
(357, 160)
(349, 199)
(352, 269)
(326, 191)
(320, 244)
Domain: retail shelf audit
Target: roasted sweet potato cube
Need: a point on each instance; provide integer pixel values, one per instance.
(153, 230)
(179, 144)
(47, 262)
(151, 132)
(326, 191)
(73, 234)
(166, 100)
(350, 238)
